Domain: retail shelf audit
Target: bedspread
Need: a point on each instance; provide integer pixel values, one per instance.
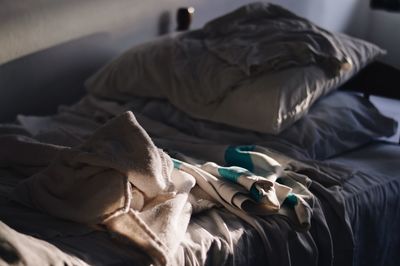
(96, 182)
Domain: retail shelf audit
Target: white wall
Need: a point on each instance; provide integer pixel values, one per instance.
(384, 30)
(28, 26)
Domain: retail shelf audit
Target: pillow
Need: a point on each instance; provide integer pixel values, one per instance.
(339, 122)
(336, 123)
(259, 67)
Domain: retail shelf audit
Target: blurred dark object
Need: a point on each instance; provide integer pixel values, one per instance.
(184, 18)
(389, 5)
(376, 79)
(164, 23)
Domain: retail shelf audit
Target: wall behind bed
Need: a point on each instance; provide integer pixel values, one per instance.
(48, 48)
(384, 31)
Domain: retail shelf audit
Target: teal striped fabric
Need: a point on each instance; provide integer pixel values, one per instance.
(262, 179)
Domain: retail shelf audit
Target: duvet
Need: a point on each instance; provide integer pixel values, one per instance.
(96, 184)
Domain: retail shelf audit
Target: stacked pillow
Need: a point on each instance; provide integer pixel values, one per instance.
(336, 123)
(259, 67)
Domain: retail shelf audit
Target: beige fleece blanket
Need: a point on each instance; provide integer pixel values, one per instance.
(117, 179)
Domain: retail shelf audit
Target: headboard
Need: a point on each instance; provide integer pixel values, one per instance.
(376, 79)
(48, 48)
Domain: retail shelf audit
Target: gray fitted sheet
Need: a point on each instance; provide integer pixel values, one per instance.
(370, 186)
(372, 198)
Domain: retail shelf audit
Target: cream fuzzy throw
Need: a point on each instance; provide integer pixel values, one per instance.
(118, 179)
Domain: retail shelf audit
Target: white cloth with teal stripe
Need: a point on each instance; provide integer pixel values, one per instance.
(253, 183)
(252, 193)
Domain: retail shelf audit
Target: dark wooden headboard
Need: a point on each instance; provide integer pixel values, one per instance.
(377, 79)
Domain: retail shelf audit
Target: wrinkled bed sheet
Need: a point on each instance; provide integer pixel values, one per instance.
(214, 237)
(371, 191)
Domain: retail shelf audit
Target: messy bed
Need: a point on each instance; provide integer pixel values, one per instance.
(226, 145)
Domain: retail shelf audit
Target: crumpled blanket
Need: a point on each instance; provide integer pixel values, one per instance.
(117, 179)
(262, 37)
(26, 149)
(120, 180)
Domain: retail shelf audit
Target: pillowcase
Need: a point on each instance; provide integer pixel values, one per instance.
(336, 123)
(339, 122)
(259, 67)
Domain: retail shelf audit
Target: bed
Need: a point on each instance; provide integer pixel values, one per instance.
(140, 172)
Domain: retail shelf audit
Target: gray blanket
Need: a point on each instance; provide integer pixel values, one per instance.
(163, 196)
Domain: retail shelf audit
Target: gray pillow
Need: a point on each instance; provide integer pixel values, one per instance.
(336, 123)
(259, 67)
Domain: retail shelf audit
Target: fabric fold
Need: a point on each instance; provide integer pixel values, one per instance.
(119, 179)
